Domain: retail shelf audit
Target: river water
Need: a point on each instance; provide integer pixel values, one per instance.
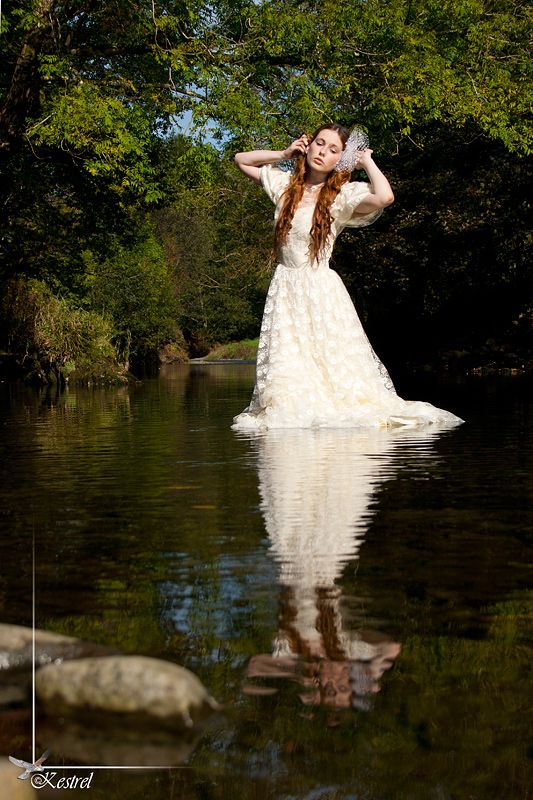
(357, 600)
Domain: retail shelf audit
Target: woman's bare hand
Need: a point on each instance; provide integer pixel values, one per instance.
(298, 148)
(364, 157)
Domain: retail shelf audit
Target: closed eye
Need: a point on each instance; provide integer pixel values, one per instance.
(332, 147)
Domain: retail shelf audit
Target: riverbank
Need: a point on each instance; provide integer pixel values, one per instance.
(502, 358)
(490, 359)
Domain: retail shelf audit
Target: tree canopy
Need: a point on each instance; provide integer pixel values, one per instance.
(91, 91)
(98, 80)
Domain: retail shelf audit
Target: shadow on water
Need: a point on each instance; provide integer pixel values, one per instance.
(357, 599)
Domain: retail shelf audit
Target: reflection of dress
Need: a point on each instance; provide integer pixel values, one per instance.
(315, 365)
(316, 489)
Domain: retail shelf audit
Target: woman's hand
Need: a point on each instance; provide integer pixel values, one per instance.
(363, 159)
(298, 148)
(250, 163)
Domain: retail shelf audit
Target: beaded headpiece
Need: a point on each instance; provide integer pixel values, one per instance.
(357, 141)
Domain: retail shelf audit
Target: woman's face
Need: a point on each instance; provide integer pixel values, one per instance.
(324, 151)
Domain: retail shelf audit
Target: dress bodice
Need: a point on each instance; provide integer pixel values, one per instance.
(295, 253)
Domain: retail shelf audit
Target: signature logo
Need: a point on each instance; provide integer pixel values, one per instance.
(50, 779)
(28, 768)
(39, 778)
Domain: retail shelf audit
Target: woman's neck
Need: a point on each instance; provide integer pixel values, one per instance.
(314, 178)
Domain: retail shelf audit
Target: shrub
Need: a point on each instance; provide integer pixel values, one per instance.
(134, 288)
(55, 340)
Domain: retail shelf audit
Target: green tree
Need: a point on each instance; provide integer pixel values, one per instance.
(389, 65)
(98, 81)
(90, 91)
(134, 289)
(446, 274)
(217, 262)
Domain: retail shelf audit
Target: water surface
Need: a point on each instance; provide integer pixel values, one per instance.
(358, 600)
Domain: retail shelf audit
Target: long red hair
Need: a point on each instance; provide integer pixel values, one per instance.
(322, 219)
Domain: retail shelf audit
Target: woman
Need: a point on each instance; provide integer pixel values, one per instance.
(315, 365)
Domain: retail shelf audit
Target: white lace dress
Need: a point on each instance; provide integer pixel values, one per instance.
(315, 365)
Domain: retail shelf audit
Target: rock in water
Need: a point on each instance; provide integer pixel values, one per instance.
(16, 647)
(144, 689)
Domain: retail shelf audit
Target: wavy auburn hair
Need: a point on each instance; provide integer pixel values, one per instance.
(322, 219)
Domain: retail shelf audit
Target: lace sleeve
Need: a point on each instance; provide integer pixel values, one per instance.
(274, 181)
(345, 206)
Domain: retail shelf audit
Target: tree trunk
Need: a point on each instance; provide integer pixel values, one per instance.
(22, 97)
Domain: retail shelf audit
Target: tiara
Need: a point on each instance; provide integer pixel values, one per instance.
(357, 141)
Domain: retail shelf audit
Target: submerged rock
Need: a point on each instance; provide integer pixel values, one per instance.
(136, 688)
(16, 645)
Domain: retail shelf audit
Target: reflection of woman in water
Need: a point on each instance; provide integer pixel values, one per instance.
(316, 489)
(335, 668)
(315, 365)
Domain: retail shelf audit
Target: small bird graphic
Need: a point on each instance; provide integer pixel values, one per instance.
(29, 768)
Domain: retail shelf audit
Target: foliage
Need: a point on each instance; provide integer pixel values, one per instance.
(133, 288)
(448, 268)
(89, 94)
(217, 243)
(94, 81)
(183, 163)
(246, 350)
(99, 82)
(442, 276)
(57, 339)
(392, 66)
(52, 214)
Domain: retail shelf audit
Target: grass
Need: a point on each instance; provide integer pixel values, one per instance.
(245, 350)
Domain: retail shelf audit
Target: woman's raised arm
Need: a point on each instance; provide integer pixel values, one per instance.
(251, 162)
(382, 194)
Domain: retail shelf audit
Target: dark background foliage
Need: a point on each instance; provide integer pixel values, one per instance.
(117, 213)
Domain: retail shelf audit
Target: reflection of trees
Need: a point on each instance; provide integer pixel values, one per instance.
(316, 489)
(92, 473)
(457, 696)
(125, 488)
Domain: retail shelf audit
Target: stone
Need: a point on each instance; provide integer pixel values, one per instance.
(11, 787)
(137, 687)
(16, 647)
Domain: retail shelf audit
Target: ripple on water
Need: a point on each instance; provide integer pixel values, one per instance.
(359, 599)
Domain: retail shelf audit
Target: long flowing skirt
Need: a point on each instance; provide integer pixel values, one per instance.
(316, 367)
